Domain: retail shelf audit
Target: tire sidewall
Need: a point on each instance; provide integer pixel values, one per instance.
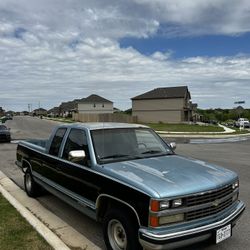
(129, 224)
(31, 191)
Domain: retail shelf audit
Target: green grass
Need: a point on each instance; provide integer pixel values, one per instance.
(60, 119)
(16, 232)
(238, 131)
(184, 127)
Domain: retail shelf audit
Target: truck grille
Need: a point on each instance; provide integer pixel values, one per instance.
(209, 197)
(4, 137)
(208, 211)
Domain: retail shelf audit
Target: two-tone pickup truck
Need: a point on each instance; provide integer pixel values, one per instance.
(128, 178)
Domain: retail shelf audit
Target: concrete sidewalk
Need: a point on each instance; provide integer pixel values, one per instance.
(56, 232)
(227, 133)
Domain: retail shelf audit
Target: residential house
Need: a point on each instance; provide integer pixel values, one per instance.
(67, 108)
(1, 111)
(195, 114)
(95, 104)
(39, 111)
(167, 105)
(54, 112)
(24, 113)
(9, 113)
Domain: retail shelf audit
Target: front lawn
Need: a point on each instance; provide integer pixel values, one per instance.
(184, 127)
(16, 232)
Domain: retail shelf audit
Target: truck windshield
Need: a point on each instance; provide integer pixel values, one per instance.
(113, 145)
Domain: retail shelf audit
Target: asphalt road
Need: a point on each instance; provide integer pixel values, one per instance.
(233, 155)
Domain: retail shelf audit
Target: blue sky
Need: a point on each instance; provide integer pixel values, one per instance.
(60, 50)
(182, 47)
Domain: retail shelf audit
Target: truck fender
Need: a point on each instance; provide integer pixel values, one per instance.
(109, 197)
(26, 164)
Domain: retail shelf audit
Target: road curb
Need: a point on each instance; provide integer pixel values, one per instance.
(44, 231)
(207, 136)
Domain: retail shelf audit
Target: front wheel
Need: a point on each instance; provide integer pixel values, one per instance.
(120, 231)
(31, 187)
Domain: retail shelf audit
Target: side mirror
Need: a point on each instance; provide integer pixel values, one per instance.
(9, 129)
(172, 145)
(76, 155)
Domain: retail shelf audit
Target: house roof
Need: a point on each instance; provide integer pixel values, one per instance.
(95, 99)
(54, 110)
(68, 106)
(40, 109)
(164, 93)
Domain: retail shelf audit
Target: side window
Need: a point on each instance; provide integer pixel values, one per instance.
(76, 141)
(56, 142)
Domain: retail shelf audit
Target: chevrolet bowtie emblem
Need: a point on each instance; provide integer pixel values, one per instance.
(216, 203)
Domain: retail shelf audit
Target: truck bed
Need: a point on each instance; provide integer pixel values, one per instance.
(37, 144)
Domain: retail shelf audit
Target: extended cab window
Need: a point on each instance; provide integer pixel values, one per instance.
(56, 142)
(76, 141)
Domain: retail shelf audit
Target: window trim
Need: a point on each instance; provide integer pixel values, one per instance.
(63, 138)
(98, 161)
(63, 144)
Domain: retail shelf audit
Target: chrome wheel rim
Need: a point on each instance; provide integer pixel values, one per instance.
(117, 235)
(28, 182)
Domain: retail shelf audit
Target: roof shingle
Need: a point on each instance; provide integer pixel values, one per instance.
(164, 93)
(95, 98)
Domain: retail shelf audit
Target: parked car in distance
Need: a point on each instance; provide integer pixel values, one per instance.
(127, 177)
(242, 122)
(9, 117)
(4, 134)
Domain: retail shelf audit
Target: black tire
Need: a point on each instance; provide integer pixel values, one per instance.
(120, 230)
(31, 187)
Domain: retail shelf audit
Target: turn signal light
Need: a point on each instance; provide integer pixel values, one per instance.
(154, 221)
(154, 205)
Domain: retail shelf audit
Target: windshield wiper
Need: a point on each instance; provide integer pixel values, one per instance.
(152, 152)
(113, 156)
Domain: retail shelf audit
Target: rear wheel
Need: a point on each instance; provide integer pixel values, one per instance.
(120, 231)
(31, 187)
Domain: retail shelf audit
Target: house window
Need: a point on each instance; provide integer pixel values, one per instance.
(94, 105)
(103, 105)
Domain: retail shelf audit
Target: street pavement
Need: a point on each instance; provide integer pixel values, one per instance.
(234, 155)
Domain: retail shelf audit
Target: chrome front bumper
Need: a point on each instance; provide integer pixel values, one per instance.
(182, 237)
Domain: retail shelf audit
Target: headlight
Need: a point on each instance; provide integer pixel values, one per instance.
(171, 219)
(164, 205)
(176, 203)
(157, 206)
(235, 184)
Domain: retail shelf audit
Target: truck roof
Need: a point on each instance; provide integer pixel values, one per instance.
(102, 125)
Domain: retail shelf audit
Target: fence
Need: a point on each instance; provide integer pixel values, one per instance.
(116, 117)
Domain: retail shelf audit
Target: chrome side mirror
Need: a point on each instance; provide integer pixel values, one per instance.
(76, 155)
(172, 145)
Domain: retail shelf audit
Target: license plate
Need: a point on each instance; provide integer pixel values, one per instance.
(223, 233)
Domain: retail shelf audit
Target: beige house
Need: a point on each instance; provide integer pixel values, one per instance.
(95, 104)
(167, 105)
(39, 111)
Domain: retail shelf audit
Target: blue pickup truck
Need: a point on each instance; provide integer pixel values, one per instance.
(128, 178)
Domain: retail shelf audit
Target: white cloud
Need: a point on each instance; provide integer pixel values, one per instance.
(199, 17)
(53, 51)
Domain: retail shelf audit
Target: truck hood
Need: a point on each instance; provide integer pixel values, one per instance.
(170, 176)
